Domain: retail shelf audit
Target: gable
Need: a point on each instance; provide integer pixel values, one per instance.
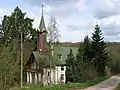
(64, 51)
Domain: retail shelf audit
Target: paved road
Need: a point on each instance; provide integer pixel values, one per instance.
(109, 84)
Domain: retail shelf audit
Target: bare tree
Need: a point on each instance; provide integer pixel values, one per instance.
(53, 37)
(53, 31)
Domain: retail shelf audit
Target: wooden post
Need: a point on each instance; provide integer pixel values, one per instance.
(21, 59)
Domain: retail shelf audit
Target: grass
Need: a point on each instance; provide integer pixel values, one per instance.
(66, 86)
(118, 87)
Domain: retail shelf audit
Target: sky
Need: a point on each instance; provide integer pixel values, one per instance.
(75, 18)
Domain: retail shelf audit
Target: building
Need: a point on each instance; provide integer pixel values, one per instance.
(45, 65)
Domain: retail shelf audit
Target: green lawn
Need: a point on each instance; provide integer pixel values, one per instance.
(65, 86)
(118, 87)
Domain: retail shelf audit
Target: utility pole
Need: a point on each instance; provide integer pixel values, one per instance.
(21, 58)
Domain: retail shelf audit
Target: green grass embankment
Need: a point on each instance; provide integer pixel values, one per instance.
(68, 86)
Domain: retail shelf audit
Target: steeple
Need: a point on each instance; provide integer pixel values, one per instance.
(42, 45)
(42, 23)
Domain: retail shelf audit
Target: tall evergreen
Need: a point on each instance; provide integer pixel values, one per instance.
(79, 63)
(87, 49)
(70, 70)
(80, 54)
(98, 46)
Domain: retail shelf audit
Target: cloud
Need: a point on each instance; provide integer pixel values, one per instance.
(76, 18)
(105, 14)
(49, 2)
(1, 10)
(111, 29)
(80, 27)
(104, 8)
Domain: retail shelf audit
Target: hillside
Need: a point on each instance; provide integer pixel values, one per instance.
(111, 46)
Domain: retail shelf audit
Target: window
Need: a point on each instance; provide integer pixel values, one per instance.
(62, 68)
(48, 73)
(62, 76)
(60, 56)
(33, 65)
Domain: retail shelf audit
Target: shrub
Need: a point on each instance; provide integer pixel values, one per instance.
(114, 63)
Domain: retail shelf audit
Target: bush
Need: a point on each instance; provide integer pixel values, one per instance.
(114, 63)
(86, 72)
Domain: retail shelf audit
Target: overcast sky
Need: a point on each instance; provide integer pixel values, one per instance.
(76, 18)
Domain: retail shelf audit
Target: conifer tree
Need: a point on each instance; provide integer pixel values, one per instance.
(70, 70)
(79, 63)
(87, 49)
(100, 56)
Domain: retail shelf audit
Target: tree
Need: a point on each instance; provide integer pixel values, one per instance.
(13, 24)
(10, 70)
(70, 70)
(87, 49)
(100, 56)
(53, 32)
(84, 69)
(79, 62)
(1, 34)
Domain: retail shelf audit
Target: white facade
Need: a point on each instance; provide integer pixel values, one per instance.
(54, 76)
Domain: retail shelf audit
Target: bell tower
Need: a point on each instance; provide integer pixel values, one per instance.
(42, 43)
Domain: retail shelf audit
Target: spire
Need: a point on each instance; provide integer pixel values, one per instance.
(42, 23)
(42, 9)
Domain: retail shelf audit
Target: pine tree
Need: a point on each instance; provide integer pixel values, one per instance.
(80, 54)
(70, 70)
(87, 49)
(79, 63)
(100, 55)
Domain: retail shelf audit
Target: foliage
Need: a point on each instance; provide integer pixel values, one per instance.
(10, 71)
(84, 68)
(67, 86)
(114, 63)
(10, 31)
(87, 50)
(70, 69)
(100, 56)
(13, 24)
(118, 87)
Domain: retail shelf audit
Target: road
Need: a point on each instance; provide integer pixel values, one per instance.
(109, 84)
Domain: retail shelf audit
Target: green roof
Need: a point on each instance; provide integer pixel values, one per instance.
(41, 60)
(42, 24)
(64, 51)
(45, 60)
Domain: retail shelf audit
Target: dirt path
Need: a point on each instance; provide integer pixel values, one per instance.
(109, 84)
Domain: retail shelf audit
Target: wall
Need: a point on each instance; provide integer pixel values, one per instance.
(55, 75)
(58, 74)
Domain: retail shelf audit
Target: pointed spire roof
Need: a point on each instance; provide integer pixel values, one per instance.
(42, 23)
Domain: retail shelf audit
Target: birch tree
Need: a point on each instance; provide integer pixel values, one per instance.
(53, 31)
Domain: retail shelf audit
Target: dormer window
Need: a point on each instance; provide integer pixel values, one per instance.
(60, 56)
